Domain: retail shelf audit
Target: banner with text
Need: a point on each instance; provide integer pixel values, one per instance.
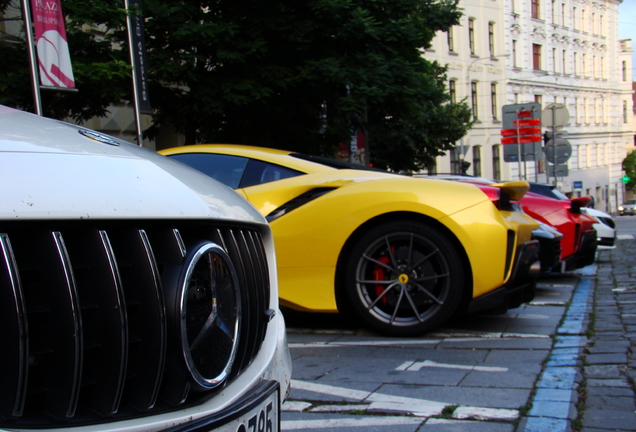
(139, 58)
(54, 59)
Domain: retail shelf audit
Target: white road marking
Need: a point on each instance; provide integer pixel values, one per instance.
(295, 406)
(340, 408)
(625, 237)
(416, 366)
(439, 338)
(331, 390)
(532, 316)
(348, 422)
(478, 413)
(383, 403)
(379, 401)
(547, 303)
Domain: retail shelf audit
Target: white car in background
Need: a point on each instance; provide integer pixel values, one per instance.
(604, 226)
(628, 207)
(136, 293)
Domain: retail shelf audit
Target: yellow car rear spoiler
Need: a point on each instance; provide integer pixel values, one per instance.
(515, 189)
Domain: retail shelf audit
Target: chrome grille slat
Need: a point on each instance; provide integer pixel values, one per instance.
(103, 319)
(145, 307)
(77, 338)
(86, 302)
(13, 338)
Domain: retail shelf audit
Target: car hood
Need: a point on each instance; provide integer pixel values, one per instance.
(595, 213)
(52, 169)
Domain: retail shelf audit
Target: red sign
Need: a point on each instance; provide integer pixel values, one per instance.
(522, 139)
(50, 39)
(524, 114)
(521, 131)
(529, 122)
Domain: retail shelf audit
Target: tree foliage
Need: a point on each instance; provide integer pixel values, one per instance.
(282, 73)
(100, 66)
(629, 166)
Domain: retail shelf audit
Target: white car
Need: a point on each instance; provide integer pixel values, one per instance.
(627, 208)
(604, 226)
(136, 293)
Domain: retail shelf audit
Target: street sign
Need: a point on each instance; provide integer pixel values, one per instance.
(561, 170)
(555, 115)
(522, 139)
(527, 152)
(577, 185)
(521, 132)
(513, 112)
(558, 151)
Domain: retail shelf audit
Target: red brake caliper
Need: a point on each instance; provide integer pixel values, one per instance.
(380, 275)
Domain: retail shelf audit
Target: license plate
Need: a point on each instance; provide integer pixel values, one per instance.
(260, 417)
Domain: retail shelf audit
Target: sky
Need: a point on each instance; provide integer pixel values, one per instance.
(627, 27)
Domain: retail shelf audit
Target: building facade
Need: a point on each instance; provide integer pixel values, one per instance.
(564, 52)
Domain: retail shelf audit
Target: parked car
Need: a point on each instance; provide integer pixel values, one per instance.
(549, 238)
(135, 293)
(604, 226)
(627, 208)
(403, 254)
(578, 247)
(547, 204)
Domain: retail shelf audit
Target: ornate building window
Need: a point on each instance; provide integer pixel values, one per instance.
(536, 56)
(493, 100)
(473, 100)
(496, 162)
(535, 9)
(471, 35)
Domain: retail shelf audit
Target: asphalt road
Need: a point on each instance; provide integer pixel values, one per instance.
(479, 373)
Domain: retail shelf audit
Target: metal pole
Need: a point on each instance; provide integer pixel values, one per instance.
(554, 144)
(134, 76)
(35, 80)
(518, 148)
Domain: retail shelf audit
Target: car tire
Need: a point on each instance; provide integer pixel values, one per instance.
(404, 278)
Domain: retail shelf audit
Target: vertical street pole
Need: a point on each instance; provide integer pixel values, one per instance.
(554, 143)
(33, 64)
(131, 49)
(519, 148)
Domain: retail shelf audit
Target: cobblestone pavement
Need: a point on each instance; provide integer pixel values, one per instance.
(606, 390)
(588, 382)
(565, 362)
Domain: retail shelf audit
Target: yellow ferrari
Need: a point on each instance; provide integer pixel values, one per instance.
(401, 253)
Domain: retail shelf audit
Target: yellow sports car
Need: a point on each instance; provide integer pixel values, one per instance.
(402, 253)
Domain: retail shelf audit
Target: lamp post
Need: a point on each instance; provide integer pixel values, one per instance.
(469, 94)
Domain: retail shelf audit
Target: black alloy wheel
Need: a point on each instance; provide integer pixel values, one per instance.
(404, 278)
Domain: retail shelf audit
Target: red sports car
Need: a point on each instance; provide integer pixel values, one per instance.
(546, 204)
(578, 246)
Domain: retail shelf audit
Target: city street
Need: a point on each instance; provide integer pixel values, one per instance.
(563, 362)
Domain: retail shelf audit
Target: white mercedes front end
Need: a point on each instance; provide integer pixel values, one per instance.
(135, 293)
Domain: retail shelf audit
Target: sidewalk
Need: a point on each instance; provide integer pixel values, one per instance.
(588, 383)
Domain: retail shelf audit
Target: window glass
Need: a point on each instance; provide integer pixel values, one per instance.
(226, 169)
(259, 172)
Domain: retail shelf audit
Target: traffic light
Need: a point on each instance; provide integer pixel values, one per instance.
(465, 166)
(625, 179)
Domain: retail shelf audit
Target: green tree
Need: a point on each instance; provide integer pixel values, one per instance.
(303, 75)
(100, 66)
(629, 166)
(282, 73)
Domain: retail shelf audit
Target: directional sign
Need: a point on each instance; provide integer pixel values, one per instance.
(558, 151)
(521, 132)
(528, 122)
(524, 152)
(522, 139)
(557, 170)
(555, 115)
